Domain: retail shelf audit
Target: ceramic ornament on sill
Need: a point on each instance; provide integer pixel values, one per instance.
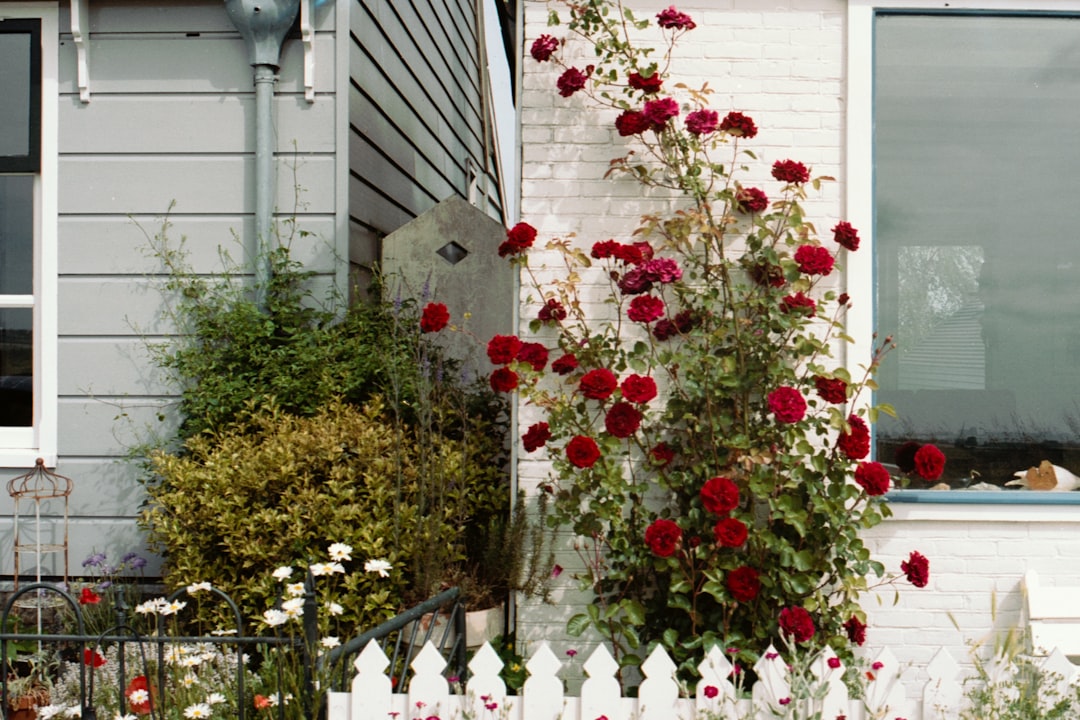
(1046, 477)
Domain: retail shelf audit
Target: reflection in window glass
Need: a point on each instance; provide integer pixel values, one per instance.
(16, 367)
(977, 260)
(16, 234)
(15, 90)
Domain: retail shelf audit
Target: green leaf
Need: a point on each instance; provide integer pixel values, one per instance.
(578, 624)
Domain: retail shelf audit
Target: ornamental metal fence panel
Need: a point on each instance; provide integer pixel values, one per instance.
(123, 660)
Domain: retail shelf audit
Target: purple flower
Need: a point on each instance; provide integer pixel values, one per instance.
(95, 560)
(138, 562)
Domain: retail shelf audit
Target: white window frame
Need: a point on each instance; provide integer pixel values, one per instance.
(21, 447)
(859, 201)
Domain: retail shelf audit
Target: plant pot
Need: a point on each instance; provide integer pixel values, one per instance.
(483, 626)
(25, 707)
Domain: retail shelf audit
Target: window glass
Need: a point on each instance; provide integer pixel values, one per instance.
(16, 367)
(16, 234)
(15, 90)
(977, 237)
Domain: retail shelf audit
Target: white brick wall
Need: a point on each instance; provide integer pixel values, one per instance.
(783, 66)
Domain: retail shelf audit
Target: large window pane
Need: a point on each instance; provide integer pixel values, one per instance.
(20, 83)
(16, 367)
(977, 176)
(16, 234)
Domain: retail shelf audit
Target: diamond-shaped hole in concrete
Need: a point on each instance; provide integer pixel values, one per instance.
(452, 253)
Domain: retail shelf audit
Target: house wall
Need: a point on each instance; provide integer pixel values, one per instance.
(416, 115)
(169, 129)
(785, 67)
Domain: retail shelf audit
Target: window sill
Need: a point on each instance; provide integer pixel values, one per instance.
(984, 506)
(25, 458)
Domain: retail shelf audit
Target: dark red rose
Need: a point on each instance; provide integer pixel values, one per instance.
(661, 454)
(638, 388)
(631, 122)
(790, 171)
(582, 451)
(645, 309)
(635, 282)
(730, 532)
(719, 495)
(798, 304)
(571, 81)
(434, 317)
(787, 404)
(831, 390)
(622, 420)
(739, 125)
(647, 85)
(844, 299)
(796, 623)
(917, 569)
(904, 457)
(672, 19)
(536, 436)
(543, 47)
(533, 353)
(856, 443)
(856, 630)
(663, 537)
(662, 270)
(518, 239)
(846, 236)
(929, 462)
(765, 273)
(504, 380)
(751, 200)
(565, 365)
(604, 249)
(743, 583)
(873, 478)
(502, 349)
(702, 122)
(814, 260)
(685, 321)
(659, 111)
(598, 384)
(664, 329)
(553, 311)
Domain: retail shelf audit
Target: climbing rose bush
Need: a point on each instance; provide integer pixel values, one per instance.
(707, 450)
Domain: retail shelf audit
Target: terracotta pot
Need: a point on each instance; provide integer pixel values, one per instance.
(25, 707)
(483, 626)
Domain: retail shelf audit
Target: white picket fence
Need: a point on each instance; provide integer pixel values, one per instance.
(543, 697)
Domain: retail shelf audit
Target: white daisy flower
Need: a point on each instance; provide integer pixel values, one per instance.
(198, 587)
(151, 607)
(273, 618)
(330, 642)
(283, 573)
(340, 552)
(219, 633)
(215, 699)
(139, 697)
(319, 569)
(293, 607)
(334, 609)
(189, 681)
(382, 567)
(174, 607)
(295, 589)
(198, 710)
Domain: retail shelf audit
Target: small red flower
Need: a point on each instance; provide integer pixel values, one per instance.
(663, 537)
(645, 309)
(702, 122)
(572, 80)
(856, 630)
(796, 623)
(89, 597)
(917, 569)
(831, 390)
(814, 260)
(787, 404)
(598, 384)
(929, 462)
(873, 478)
(534, 354)
(582, 452)
(730, 532)
(846, 236)
(798, 304)
(93, 657)
(743, 583)
(790, 171)
(661, 454)
(518, 239)
(672, 19)
(639, 389)
(543, 47)
(262, 702)
(553, 311)
(565, 365)
(711, 691)
(622, 420)
(856, 443)
(751, 200)
(503, 380)
(719, 495)
(631, 122)
(434, 318)
(502, 349)
(659, 111)
(739, 125)
(647, 85)
(536, 436)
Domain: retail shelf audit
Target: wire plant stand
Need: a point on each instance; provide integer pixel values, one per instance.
(31, 491)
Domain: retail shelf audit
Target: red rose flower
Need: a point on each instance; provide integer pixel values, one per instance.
(765, 273)
(790, 171)
(631, 122)
(659, 111)
(645, 309)
(739, 125)
(917, 569)
(543, 47)
(434, 317)
(533, 353)
(873, 478)
(702, 122)
(831, 390)
(565, 365)
(92, 657)
(856, 630)
(622, 420)
(662, 270)
(636, 281)
(502, 349)
(572, 80)
(536, 436)
(798, 304)
(719, 495)
(904, 457)
(518, 239)
(751, 200)
(582, 451)
(787, 404)
(796, 623)
(814, 260)
(89, 597)
(661, 454)
(846, 236)
(929, 462)
(743, 583)
(598, 384)
(672, 19)
(638, 389)
(603, 249)
(663, 537)
(730, 532)
(553, 311)
(504, 380)
(647, 85)
(856, 443)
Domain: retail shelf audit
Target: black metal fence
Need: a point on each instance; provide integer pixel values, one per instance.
(400, 638)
